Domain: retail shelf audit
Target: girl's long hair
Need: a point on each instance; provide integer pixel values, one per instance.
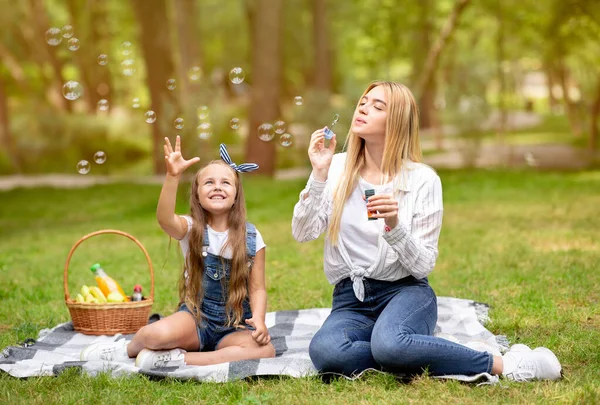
(401, 144)
(190, 285)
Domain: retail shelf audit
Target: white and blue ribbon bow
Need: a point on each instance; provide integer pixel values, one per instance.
(244, 167)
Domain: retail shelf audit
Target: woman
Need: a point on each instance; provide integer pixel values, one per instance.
(384, 312)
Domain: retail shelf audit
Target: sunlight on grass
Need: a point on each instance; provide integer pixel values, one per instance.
(524, 242)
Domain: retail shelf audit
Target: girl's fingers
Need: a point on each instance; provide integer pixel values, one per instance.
(177, 144)
(168, 145)
(332, 143)
(192, 161)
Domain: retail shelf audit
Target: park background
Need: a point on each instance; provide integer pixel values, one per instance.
(509, 94)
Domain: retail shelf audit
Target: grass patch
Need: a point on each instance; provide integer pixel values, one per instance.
(524, 242)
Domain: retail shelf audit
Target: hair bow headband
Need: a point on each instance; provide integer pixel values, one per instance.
(244, 167)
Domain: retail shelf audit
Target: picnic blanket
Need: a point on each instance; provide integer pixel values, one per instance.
(58, 348)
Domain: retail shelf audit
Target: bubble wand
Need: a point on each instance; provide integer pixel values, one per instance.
(328, 131)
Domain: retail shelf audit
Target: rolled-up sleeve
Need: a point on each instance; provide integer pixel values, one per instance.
(417, 249)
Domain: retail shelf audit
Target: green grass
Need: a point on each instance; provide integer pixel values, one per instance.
(524, 242)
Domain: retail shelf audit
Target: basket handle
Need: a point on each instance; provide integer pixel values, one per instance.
(103, 232)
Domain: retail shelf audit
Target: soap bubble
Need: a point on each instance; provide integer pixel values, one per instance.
(204, 130)
(126, 48)
(178, 123)
(265, 132)
(236, 75)
(83, 167)
(100, 157)
(102, 59)
(53, 37)
(150, 116)
(135, 103)
(298, 100)
(234, 123)
(128, 67)
(72, 90)
(279, 127)
(67, 31)
(285, 140)
(203, 112)
(171, 84)
(194, 73)
(103, 105)
(73, 44)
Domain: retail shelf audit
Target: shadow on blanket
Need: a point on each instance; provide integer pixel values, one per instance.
(58, 348)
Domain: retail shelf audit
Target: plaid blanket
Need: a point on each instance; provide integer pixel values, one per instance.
(291, 331)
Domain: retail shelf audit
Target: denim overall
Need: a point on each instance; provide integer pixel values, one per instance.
(215, 282)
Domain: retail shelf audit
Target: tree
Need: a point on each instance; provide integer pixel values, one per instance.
(6, 139)
(39, 47)
(190, 50)
(433, 56)
(156, 46)
(322, 73)
(265, 23)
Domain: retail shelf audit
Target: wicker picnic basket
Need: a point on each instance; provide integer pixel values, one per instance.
(113, 317)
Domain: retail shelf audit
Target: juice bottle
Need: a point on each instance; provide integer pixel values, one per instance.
(106, 283)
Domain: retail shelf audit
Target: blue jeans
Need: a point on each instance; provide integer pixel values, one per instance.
(391, 330)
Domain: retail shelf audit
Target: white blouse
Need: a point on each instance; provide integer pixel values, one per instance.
(364, 249)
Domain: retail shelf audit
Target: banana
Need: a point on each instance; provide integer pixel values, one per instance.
(98, 294)
(85, 290)
(79, 298)
(90, 298)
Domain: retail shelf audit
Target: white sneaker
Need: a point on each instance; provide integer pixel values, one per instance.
(526, 365)
(482, 346)
(519, 347)
(150, 359)
(114, 351)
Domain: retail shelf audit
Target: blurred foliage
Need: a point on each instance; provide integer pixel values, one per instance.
(369, 40)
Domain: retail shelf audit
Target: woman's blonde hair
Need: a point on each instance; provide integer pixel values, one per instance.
(190, 284)
(401, 144)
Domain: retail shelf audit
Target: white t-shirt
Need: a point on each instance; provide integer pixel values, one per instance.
(216, 241)
(361, 236)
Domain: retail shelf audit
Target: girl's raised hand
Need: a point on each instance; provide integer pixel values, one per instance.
(319, 155)
(176, 164)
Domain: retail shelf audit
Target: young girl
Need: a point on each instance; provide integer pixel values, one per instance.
(222, 289)
(384, 312)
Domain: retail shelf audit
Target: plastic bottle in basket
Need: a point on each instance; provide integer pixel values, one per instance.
(106, 283)
(137, 293)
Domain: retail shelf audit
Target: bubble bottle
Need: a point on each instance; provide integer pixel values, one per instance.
(328, 131)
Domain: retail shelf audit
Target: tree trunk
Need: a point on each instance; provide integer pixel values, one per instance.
(6, 139)
(189, 47)
(435, 52)
(322, 74)
(156, 47)
(265, 17)
(83, 55)
(100, 43)
(571, 108)
(595, 114)
(500, 55)
(550, 80)
(14, 68)
(42, 24)
(426, 98)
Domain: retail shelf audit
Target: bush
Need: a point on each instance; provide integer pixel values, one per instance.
(56, 143)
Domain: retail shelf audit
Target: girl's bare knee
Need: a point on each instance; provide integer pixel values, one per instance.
(154, 337)
(267, 351)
